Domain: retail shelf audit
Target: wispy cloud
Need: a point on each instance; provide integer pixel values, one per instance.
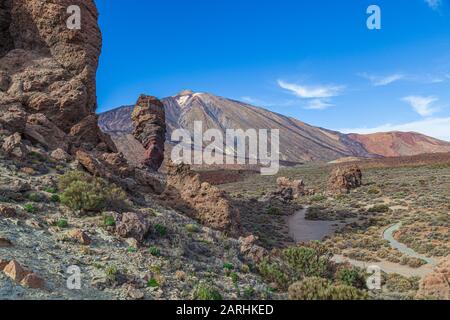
(434, 4)
(319, 104)
(434, 127)
(422, 105)
(311, 92)
(379, 81)
(267, 103)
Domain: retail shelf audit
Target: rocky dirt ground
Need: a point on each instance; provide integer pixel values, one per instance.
(178, 258)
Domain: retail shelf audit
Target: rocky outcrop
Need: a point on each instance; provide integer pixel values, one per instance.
(343, 179)
(149, 121)
(437, 284)
(209, 205)
(47, 74)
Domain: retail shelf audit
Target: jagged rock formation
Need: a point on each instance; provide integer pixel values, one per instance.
(149, 121)
(209, 205)
(47, 75)
(343, 179)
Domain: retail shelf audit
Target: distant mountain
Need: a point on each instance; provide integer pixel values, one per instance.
(299, 142)
(396, 144)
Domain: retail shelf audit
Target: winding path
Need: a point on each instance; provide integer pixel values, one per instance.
(389, 236)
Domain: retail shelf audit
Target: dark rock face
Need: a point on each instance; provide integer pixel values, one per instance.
(149, 121)
(47, 72)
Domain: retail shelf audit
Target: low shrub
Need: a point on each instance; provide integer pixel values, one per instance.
(82, 192)
(206, 292)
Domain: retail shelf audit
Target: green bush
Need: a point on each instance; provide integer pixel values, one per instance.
(381, 208)
(109, 221)
(152, 283)
(34, 197)
(82, 192)
(273, 272)
(192, 228)
(30, 208)
(273, 211)
(161, 230)
(315, 288)
(351, 277)
(228, 266)
(55, 198)
(206, 292)
(62, 223)
(156, 252)
(308, 261)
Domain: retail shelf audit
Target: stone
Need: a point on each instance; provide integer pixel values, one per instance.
(199, 200)
(14, 147)
(132, 225)
(3, 264)
(41, 130)
(250, 250)
(5, 243)
(60, 155)
(33, 281)
(13, 118)
(79, 236)
(135, 294)
(15, 271)
(344, 179)
(297, 186)
(149, 122)
(7, 212)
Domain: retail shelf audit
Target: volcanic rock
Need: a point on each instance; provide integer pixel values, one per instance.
(15, 271)
(150, 129)
(132, 225)
(343, 179)
(47, 74)
(7, 212)
(201, 201)
(14, 146)
(33, 281)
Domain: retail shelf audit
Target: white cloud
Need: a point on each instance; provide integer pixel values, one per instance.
(379, 81)
(434, 127)
(319, 104)
(422, 105)
(434, 4)
(311, 92)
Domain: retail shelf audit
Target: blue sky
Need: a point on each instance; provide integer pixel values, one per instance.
(313, 60)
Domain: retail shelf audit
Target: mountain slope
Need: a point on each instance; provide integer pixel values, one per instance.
(395, 144)
(299, 142)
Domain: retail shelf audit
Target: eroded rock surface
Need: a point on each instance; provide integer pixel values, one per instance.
(47, 74)
(149, 121)
(199, 200)
(344, 179)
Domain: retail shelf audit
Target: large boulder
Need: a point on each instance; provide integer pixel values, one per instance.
(47, 73)
(132, 225)
(344, 179)
(187, 193)
(14, 146)
(149, 122)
